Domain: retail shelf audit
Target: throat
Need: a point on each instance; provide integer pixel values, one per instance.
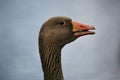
(51, 61)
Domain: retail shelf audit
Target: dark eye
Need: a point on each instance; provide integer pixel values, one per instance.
(62, 23)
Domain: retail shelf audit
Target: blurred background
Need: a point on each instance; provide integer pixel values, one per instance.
(94, 57)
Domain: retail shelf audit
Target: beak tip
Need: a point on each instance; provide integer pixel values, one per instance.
(93, 28)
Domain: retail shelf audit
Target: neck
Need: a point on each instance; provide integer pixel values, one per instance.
(50, 55)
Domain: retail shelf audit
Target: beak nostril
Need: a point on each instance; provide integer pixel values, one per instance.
(81, 26)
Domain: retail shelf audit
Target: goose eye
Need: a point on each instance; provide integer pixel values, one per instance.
(63, 23)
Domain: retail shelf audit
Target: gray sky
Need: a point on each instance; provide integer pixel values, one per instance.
(95, 57)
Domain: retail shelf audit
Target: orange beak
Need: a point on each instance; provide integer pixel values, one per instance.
(80, 29)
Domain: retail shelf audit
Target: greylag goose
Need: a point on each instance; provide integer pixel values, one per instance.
(55, 33)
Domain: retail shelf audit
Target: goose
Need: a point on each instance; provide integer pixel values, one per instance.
(55, 33)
